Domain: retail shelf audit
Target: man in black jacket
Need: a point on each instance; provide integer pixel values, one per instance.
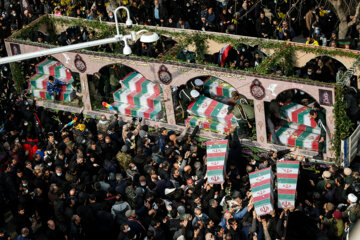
(158, 12)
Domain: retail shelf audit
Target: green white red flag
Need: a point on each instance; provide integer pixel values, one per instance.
(287, 175)
(138, 97)
(261, 188)
(216, 152)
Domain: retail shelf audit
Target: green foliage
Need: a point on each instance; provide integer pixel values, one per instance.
(200, 47)
(282, 58)
(343, 125)
(17, 71)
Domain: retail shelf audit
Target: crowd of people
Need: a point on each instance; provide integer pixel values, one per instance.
(110, 179)
(264, 19)
(70, 176)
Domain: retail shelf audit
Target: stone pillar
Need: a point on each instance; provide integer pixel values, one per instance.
(169, 106)
(260, 121)
(85, 91)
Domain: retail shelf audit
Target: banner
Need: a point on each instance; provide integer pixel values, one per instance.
(216, 152)
(261, 188)
(287, 175)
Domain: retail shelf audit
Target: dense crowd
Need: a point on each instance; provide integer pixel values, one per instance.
(110, 179)
(264, 19)
(104, 178)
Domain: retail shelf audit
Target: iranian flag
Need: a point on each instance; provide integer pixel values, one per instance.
(207, 124)
(216, 87)
(138, 98)
(137, 82)
(25, 5)
(223, 54)
(298, 138)
(299, 114)
(214, 110)
(299, 126)
(287, 175)
(216, 152)
(262, 191)
(137, 111)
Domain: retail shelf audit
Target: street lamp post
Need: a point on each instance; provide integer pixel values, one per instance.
(117, 38)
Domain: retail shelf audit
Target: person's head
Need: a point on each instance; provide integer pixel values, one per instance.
(156, 2)
(24, 232)
(58, 171)
(262, 15)
(76, 219)
(198, 212)
(352, 199)
(51, 224)
(309, 39)
(209, 236)
(175, 172)
(21, 210)
(328, 207)
(313, 114)
(213, 203)
(51, 78)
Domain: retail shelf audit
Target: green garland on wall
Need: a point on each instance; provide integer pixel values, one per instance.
(343, 125)
(18, 76)
(282, 58)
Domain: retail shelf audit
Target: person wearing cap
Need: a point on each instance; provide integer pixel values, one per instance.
(326, 179)
(353, 207)
(348, 176)
(134, 224)
(186, 96)
(196, 84)
(244, 114)
(338, 224)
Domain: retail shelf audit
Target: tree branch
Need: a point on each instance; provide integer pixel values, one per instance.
(356, 17)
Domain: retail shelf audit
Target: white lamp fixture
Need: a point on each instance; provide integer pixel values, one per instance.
(126, 49)
(149, 37)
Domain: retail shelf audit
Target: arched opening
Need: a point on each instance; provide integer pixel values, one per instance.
(50, 80)
(152, 49)
(289, 123)
(241, 56)
(127, 91)
(214, 105)
(322, 68)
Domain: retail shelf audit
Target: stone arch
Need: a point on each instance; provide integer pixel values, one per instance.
(311, 94)
(315, 98)
(337, 61)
